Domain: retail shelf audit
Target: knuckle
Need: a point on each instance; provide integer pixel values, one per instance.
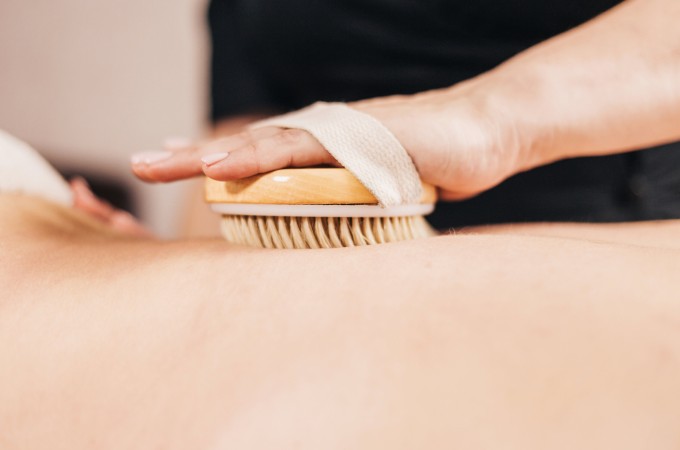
(290, 136)
(254, 151)
(245, 135)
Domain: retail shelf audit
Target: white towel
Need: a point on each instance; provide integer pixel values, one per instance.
(24, 171)
(363, 145)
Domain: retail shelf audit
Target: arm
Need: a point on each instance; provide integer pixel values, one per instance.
(610, 85)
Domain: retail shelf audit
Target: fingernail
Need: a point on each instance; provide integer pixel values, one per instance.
(149, 157)
(176, 142)
(209, 160)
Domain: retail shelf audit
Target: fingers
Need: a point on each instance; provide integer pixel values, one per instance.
(278, 149)
(119, 220)
(170, 164)
(124, 222)
(244, 154)
(86, 201)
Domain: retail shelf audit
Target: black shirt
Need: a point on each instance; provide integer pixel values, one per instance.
(278, 55)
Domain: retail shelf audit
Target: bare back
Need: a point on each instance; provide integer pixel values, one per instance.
(529, 337)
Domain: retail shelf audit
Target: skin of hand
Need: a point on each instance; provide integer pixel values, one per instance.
(115, 219)
(611, 85)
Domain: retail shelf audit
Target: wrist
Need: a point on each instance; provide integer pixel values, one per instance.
(523, 104)
(507, 106)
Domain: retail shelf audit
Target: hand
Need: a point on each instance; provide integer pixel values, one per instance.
(116, 219)
(453, 142)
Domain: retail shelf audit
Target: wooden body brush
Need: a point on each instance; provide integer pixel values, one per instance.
(313, 208)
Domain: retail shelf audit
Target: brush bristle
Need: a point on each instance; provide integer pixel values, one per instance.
(321, 232)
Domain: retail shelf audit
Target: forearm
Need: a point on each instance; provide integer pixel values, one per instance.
(608, 86)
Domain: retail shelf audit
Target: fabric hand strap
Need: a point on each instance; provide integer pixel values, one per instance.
(363, 145)
(24, 171)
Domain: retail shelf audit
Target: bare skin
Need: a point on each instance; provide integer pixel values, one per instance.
(117, 220)
(608, 86)
(532, 337)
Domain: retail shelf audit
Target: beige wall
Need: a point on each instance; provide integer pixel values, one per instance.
(88, 82)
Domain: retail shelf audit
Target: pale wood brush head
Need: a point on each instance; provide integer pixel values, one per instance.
(313, 208)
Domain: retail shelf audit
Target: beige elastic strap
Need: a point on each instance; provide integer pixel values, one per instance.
(363, 145)
(24, 171)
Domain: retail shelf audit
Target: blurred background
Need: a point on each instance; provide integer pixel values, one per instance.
(88, 83)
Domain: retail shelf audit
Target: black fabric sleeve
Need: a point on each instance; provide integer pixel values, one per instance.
(236, 87)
